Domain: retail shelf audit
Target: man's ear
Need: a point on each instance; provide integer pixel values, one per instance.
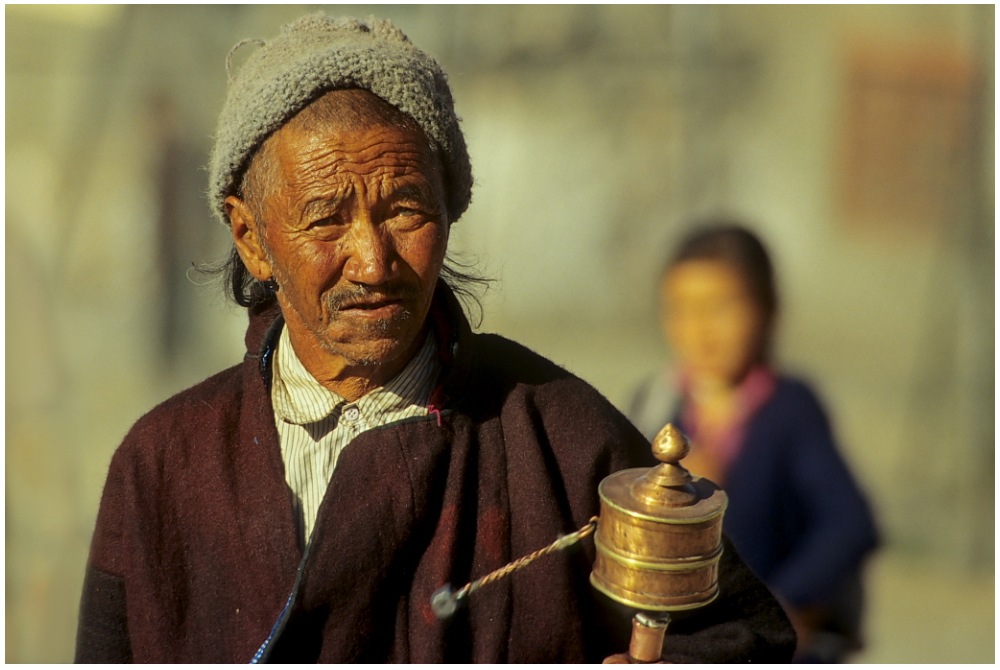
(246, 236)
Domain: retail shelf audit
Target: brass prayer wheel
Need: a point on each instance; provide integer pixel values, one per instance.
(659, 539)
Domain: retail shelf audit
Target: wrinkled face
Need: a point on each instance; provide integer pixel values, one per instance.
(355, 236)
(712, 323)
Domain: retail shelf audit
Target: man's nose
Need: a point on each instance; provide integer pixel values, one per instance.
(371, 255)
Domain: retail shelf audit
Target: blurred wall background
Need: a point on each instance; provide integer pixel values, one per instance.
(858, 141)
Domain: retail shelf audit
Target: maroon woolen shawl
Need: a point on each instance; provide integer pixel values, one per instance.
(195, 554)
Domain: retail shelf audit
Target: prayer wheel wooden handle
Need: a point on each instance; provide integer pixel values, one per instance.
(648, 632)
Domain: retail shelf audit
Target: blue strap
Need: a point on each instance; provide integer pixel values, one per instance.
(263, 647)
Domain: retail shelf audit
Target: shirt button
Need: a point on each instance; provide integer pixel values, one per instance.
(352, 413)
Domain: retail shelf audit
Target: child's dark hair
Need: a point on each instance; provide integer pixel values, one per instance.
(732, 243)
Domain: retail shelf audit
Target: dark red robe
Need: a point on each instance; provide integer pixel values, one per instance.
(195, 555)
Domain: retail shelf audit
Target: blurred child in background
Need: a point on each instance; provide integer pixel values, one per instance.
(795, 512)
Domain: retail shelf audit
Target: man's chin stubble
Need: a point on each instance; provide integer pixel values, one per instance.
(380, 328)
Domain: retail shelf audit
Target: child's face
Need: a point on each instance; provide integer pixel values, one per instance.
(711, 321)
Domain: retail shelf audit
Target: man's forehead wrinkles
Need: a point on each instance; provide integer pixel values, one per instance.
(333, 170)
(337, 184)
(360, 153)
(326, 169)
(321, 195)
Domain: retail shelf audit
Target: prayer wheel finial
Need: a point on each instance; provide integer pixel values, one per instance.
(669, 483)
(670, 445)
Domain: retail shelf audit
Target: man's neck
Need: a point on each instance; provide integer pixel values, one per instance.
(346, 378)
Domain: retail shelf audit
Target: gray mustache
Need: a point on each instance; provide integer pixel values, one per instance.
(400, 290)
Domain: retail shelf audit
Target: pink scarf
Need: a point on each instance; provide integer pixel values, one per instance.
(755, 390)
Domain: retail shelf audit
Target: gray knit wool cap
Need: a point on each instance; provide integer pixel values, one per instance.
(316, 54)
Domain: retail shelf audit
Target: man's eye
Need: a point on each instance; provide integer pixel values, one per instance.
(325, 221)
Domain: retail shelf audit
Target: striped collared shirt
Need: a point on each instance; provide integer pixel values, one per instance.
(315, 424)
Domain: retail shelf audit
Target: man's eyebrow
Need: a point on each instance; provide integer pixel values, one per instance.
(419, 192)
(324, 205)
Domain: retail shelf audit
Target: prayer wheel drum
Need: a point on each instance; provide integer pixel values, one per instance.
(659, 538)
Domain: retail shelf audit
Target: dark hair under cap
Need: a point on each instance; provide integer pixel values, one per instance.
(316, 54)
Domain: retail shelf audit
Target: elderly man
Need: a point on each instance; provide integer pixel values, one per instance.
(306, 504)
